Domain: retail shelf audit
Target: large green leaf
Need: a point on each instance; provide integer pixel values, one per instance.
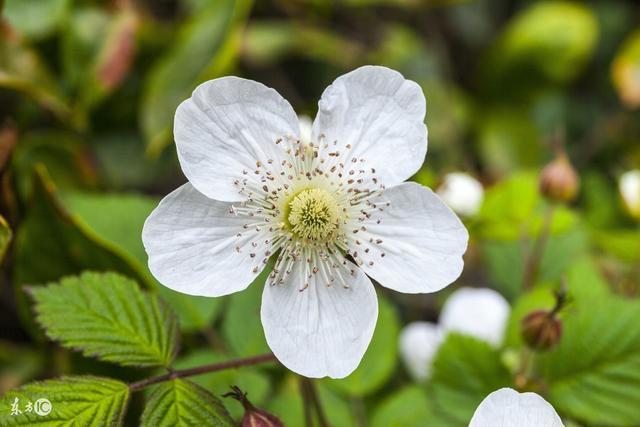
(180, 403)
(36, 18)
(465, 371)
(109, 317)
(593, 374)
(379, 361)
(203, 49)
(74, 401)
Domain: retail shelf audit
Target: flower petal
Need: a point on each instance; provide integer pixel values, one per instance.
(419, 342)
(194, 248)
(482, 313)
(508, 408)
(374, 114)
(226, 127)
(418, 244)
(321, 330)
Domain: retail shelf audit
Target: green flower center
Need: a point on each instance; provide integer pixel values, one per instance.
(314, 215)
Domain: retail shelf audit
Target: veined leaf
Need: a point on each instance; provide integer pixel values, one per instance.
(465, 371)
(182, 403)
(73, 401)
(108, 316)
(594, 372)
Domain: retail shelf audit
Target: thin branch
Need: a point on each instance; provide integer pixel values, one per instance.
(535, 256)
(236, 363)
(315, 400)
(307, 404)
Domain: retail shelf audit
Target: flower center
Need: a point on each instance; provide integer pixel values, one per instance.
(314, 215)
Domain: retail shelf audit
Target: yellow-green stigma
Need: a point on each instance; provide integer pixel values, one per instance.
(314, 215)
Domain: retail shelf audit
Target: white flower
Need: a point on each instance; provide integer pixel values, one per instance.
(462, 192)
(332, 211)
(630, 191)
(482, 313)
(419, 342)
(508, 408)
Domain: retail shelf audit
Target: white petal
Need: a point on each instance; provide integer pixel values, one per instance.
(320, 331)
(508, 408)
(418, 245)
(482, 313)
(462, 193)
(225, 128)
(381, 116)
(193, 245)
(306, 124)
(419, 342)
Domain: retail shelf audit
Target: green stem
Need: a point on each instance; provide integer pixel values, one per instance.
(535, 256)
(199, 370)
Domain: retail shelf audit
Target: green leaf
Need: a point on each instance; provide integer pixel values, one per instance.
(117, 220)
(381, 357)
(74, 401)
(37, 18)
(551, 41)
(203, 49)
(465, 371)
(593, 374)
(5, 237)
(108, 316)
(407, 407)
(249, 378)
(182, 403)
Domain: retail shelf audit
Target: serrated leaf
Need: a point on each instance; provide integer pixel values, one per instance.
(107, 316)
(465, 371)
(180, 403)
(74, 401)
(593, 374)
(379, 361)
(203, 49)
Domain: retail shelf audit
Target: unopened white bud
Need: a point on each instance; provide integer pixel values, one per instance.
(419, 342)
(462, 192)
(482, 313)
(630, 192)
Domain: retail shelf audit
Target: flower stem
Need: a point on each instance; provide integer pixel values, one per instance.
(199, 370)
(535, 256)
(312, 399)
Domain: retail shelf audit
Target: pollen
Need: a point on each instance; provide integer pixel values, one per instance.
(314, 215)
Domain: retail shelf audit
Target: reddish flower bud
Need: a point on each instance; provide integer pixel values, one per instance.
(253, 417)
(541, 330)
(559, 181)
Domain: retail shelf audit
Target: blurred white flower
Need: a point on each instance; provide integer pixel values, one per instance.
(482, 313)
(419, 342)
(508, 408)
(462, 193)
(630, 191)
(257, 191)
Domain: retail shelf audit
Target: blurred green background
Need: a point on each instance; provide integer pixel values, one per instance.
(88, 90)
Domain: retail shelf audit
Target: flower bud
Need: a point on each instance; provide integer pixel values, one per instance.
(462, 193)
(253, 417)
(630, 192)
(559, 182)
(541, 330)
(418, 343)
